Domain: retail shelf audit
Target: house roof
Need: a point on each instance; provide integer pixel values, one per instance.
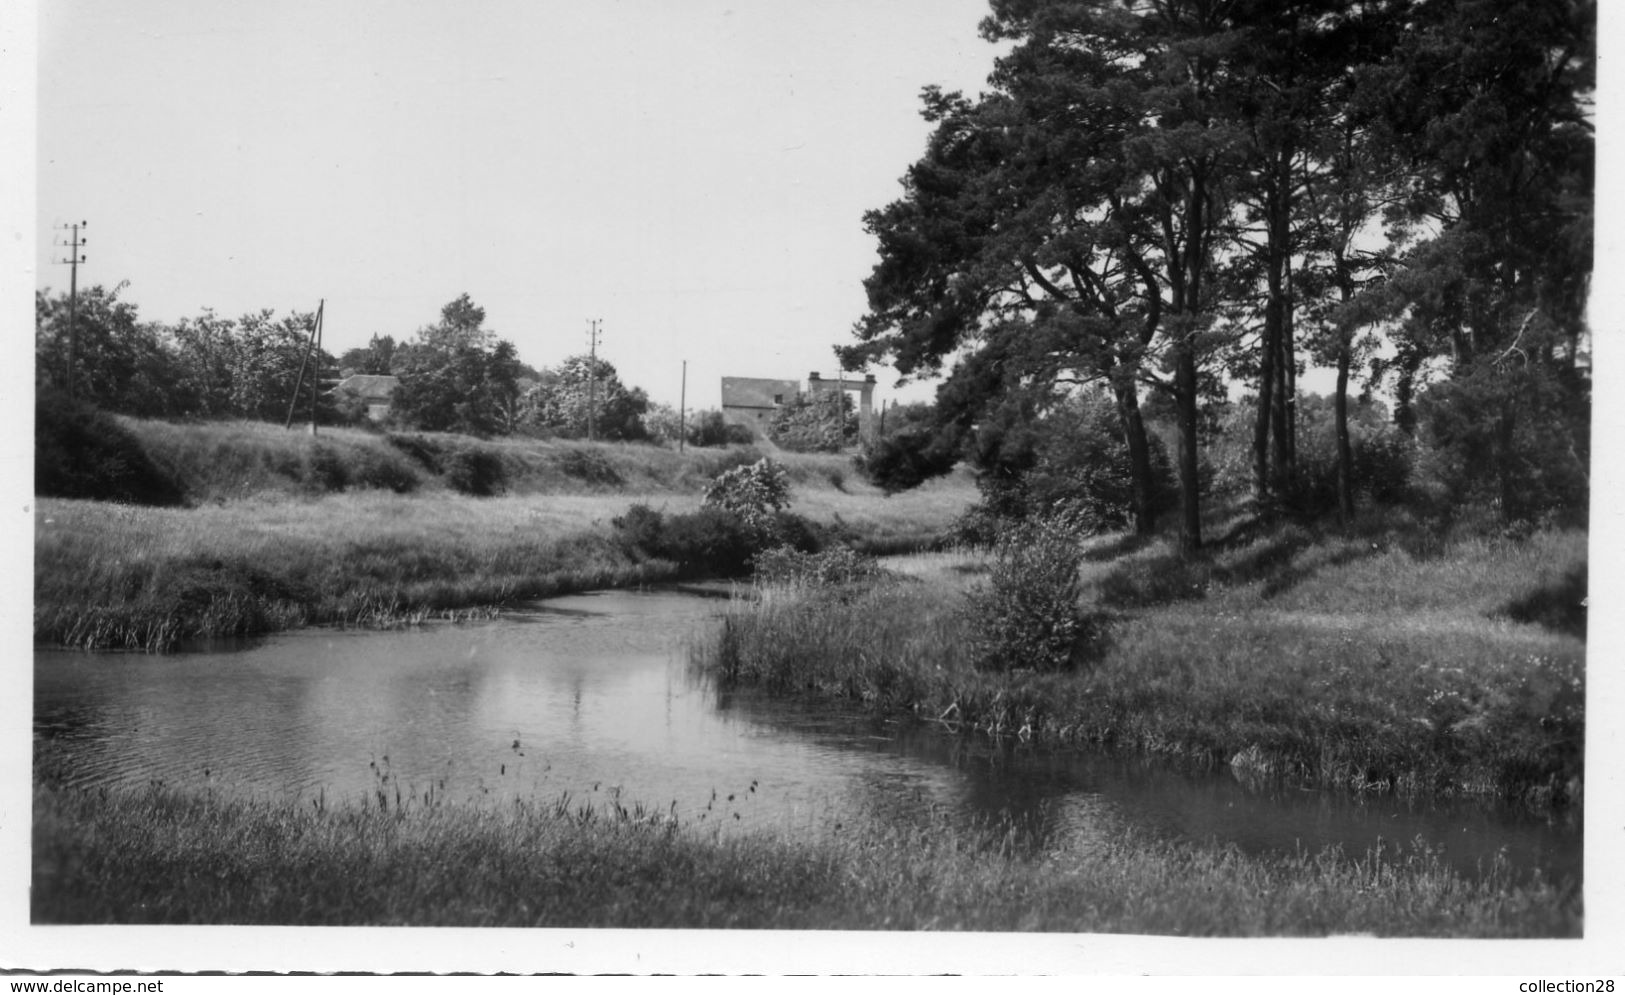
(368, 386)
(755, 392)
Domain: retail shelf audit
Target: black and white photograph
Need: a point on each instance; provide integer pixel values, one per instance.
(1020, 487)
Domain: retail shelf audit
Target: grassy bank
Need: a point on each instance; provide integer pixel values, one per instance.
(160, 856)
(213, 462)
(1380, 660)
(287, 531)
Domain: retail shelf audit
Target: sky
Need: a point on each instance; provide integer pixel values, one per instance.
(691, 173)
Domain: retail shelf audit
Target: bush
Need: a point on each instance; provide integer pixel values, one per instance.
(590, 466)
(711, 465)
(478, 472)
(1083, 465)
(324, 469)
(642, 529)
(80, 452)
(1028, 615)
(908, 458)
(756, 493)
(712, 541)
(1512, 438)
(979, 526)
(1381, 472)
(710, 428)
(382, 469)
(709, 541)
(426, 453)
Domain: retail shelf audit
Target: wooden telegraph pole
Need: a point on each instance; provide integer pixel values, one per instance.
(592, 378)
(314, 344)
(75, 257)
(682, 410)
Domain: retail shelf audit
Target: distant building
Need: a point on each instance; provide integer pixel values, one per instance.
(370, 389)
(751, 401)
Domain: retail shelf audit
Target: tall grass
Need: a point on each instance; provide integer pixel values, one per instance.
(160, 856)
(1418, 680)
(117, 576)
(143, 578)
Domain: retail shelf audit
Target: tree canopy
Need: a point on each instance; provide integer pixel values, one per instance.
(1162, 196)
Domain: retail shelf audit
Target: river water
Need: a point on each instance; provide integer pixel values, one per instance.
(591, 696)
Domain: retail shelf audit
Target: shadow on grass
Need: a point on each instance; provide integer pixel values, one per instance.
(1171, 578)
(1560, 606)
(1123, 545)
(1291, 577)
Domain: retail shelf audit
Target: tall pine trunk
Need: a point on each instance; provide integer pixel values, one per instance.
(1139, 454)
(1190, 497)
(1273, 436)
(1345, 451)
(1266, 404)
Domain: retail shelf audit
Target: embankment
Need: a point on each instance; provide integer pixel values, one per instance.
(278, 529)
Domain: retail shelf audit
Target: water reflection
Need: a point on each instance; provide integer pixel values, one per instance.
(590, 696)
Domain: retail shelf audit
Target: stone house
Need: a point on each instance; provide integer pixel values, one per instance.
(370, 389)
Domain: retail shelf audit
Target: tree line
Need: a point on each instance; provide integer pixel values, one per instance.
(1176, 201)
(456, 375)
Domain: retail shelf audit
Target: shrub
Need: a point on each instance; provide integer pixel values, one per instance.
(709, 541)
(1028, 615)
(1513, 438)
(710, 428)
(426, 453)
(80, 452)
(756, 493)
(1083, 464)
(1381, 471)
(324, 469)
(978, 526)
(1383, 465)
(712, 541)
(908, 458)
(590, 466)
(711, 465)
(642, 529)
(794, 532)
(381, 468)
(478, 472)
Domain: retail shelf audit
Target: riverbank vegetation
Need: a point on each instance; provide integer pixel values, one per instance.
(1390, 658)
(276, 529)
(156, 855)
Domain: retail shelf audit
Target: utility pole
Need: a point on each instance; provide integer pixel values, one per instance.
(75, 257)
(682, 410)
(311, 347)
(592, 378)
